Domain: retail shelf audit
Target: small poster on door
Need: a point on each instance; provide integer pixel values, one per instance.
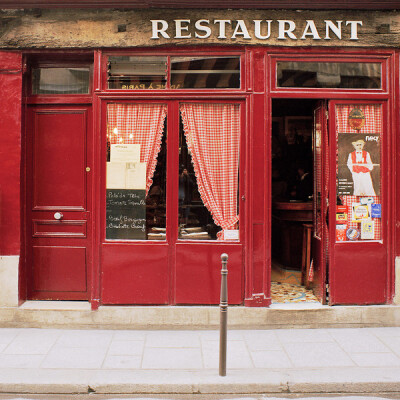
(360, 212)
(341, 214)
(358, 164)
(376, 211)
(367, 230)
(341, 232)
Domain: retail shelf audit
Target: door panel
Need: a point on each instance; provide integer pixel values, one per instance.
(359, 273)
(59, 269)
(135, 273)
(54, 228)
(59, 160)
(198, 273)
(58, 202)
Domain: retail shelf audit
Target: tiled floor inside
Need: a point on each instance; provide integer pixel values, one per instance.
(289, 293)
(286, 286)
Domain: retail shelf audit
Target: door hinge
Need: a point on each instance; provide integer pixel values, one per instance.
(327, 114)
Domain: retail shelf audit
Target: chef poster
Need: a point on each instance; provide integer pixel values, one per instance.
(358, 164)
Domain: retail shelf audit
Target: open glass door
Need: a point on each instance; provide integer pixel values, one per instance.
(317, 271)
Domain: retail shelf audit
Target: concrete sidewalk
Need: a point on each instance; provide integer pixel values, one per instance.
(358, 360)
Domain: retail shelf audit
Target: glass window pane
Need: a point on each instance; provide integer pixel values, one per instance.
(359, 136)
(137, 72)
(329, 75)
(136, 172)
(205, 72)
(208, 172)
(60, 80)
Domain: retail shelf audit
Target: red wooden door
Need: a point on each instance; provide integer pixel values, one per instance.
(58, 202)
(351, 236)
(320, 202)
(360, 242)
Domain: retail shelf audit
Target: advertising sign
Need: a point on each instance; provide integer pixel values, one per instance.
(358, 164)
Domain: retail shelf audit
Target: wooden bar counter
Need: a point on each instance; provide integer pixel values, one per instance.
(288, 218)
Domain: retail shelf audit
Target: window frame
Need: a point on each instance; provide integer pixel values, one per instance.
(58, 63)
(342, 57)
(170, 54)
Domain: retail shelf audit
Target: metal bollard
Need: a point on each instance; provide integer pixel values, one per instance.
(223, 306)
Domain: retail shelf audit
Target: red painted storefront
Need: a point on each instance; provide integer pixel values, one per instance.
(54, 160)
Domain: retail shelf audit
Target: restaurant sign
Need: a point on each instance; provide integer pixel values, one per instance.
(255, 29)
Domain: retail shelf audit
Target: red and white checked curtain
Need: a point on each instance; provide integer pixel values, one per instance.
(138, 124)
(373, 125)
(213, 135)
(373, 118)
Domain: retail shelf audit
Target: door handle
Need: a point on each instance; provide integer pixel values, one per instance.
(58, 216)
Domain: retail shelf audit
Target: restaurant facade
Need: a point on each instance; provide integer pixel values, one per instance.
(139, 144)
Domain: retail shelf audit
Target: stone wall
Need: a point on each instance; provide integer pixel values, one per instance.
(93, 28)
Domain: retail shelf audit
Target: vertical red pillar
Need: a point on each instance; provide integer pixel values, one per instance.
(10, 175)
(10, 152)
(257, 273)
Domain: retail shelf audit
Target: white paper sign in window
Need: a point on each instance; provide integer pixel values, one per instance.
(125, 153)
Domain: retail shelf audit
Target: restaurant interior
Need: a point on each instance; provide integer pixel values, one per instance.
(292, 205)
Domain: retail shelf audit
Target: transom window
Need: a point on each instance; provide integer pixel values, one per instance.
(165, 72)
(338, 75)
(61, 80)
